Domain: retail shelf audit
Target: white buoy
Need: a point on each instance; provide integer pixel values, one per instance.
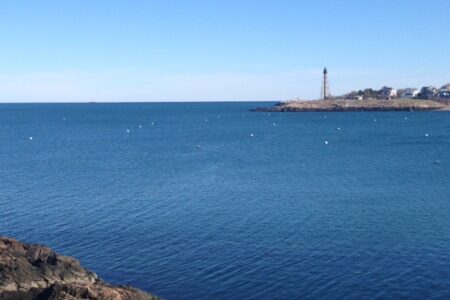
(326, 142)
(339, 128)
(128, 130)
(406, 118)
(325, 117)
(198, 146)
(426, 134)
(64, 119)
(274, 124)
(206, 120)
(30, 138)
(375, 120)
(140, 126)
(153, 123)
(251, 134)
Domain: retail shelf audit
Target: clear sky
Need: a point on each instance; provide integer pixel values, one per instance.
(197, 50)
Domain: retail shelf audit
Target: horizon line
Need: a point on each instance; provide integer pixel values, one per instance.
(136, 102)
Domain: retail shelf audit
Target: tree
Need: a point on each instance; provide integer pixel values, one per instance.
(369, 94)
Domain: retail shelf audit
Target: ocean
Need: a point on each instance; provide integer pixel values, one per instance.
(212, 201)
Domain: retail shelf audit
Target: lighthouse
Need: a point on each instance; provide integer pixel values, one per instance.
(325, 90)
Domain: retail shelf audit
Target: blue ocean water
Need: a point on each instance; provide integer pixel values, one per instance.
(192, 206)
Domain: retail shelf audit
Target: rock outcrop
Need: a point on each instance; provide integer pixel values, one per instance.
(35, 272)
(357, 105)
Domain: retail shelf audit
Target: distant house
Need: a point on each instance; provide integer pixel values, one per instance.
(428, 92)
(354, 95)
(446, 87)
(444, 94)
(410, 93)
(387, 93)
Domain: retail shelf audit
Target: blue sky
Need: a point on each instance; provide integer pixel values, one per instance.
(192, 50)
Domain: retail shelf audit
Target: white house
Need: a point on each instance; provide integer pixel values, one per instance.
(387, 93)
(410, 93)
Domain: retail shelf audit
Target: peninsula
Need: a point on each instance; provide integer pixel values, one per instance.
(328, 105)
(35, 272)
(384, 99)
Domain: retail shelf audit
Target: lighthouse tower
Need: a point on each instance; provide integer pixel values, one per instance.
(325, 90)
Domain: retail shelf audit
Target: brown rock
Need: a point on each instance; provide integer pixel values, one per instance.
(35, 272)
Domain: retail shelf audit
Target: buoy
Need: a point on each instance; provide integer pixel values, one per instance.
(375, 120)
(326, 142)
(339, 128)
(251, 134)
(198, 146)
(128, 130)
(140, 126)
(426, 134)
(406, 118)
(206, 120)
(30, 138)
(274, 124)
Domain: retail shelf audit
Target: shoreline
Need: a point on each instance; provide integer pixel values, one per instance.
(347, 105)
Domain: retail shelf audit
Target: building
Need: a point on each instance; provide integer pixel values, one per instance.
(410, 93)
(387, 93)
(428, 92)
(354, 95)
(444, 94)
(446, 87)
(325, 90)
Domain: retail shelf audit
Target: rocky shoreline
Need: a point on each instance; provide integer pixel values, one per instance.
(356, 105)
(35, 272)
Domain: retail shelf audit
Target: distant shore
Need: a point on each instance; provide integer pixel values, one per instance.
(356, 105)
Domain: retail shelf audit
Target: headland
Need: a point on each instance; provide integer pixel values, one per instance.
(343, 105)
